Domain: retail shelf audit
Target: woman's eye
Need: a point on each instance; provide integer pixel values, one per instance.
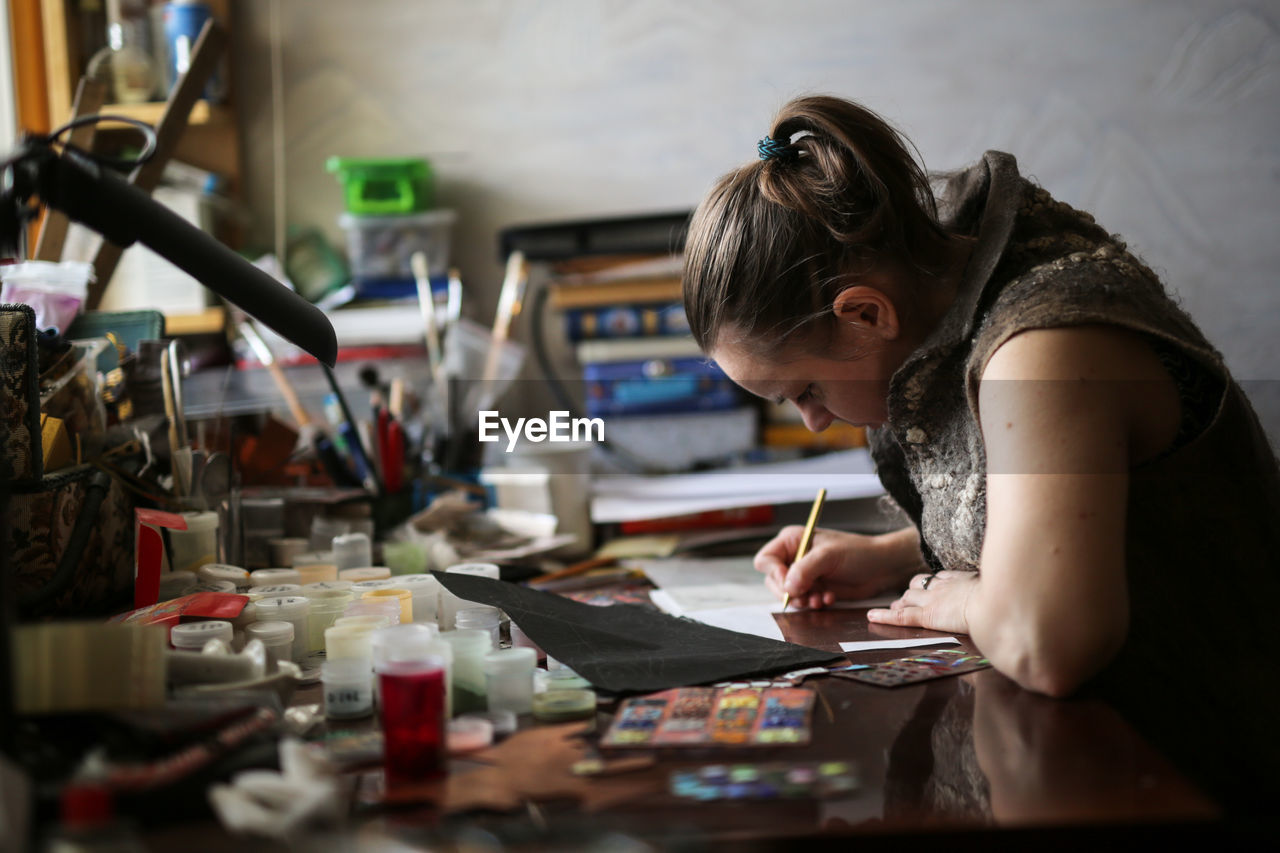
(807, 394)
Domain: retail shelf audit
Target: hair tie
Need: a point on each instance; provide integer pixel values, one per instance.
(776, 149)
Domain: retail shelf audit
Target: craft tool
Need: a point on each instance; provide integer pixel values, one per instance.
(574, 570)
(807, 536)
(509, 302)
(430, 323)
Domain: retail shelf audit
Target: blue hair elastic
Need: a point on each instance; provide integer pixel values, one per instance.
(775, 149)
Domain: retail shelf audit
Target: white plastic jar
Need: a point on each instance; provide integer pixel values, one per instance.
(348, 688)
(191, 636)
(276, 636)
(481, 617)
(326, 607)
(224, 572)
(508, 677)
(257, 593)
(292, 609)
(450, 604)
(274, 577)
(351, 550)
(426, 594)
(469, 649)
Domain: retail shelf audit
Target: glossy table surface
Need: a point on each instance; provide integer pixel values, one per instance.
(954, 755)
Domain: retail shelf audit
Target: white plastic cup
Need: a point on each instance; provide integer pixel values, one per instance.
(275, 635)
(224, 572)
(426, 594)
(257, 593)
(352, 550)
(481, 617)
(348, 688)
(196, 546)
(364, 573)
(292, 609)
(450, 603)
(509, 679)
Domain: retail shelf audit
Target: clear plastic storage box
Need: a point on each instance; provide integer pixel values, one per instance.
(380, 247)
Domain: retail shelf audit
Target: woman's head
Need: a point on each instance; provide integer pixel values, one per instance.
(835, 197)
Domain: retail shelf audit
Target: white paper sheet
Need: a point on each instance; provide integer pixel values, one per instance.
(847, 474)
(873, 645)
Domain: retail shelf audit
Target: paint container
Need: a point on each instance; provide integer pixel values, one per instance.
(257, 593)
(292, 609)
(359, 589)
(248, 616)
(469, 649)
(364, 573)
(367, 620)
(342, 642)
(317, 572)
(480, 617)
(323, 530)
(310, 589)
(562, 706)
(192, 636)
(348, 688)
(373, 607)
(401, 642)
(276, 636)
(561, 679)
(468, 734)
(426, 594)
(508, 677)
(352, 550)
(283, 551)
(197, 545)
(402, 597)
(450, 604)
(174, 584)
(223, 572)
(274, 577)
(327, 606)
(412, 709)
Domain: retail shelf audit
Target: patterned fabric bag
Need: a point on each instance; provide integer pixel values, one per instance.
(67, 536)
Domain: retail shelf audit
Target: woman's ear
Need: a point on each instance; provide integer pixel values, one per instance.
(869, 309)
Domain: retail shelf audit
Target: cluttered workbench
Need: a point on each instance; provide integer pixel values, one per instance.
(966, 758)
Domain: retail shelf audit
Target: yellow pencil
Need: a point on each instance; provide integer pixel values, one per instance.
(807, 536)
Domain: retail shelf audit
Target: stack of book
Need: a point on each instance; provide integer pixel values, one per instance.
(660, 398)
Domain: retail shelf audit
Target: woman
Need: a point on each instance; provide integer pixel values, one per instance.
(1092, 497)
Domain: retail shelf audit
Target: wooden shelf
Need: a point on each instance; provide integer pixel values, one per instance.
(202, 114)
(208, 322)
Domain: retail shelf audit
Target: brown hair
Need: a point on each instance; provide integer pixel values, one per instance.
(774, 241)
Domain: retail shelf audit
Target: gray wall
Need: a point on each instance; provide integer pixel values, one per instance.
(1162, 117)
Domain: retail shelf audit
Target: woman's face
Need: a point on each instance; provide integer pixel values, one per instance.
(824, 389)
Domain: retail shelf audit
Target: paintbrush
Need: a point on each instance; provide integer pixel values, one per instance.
(807, 536)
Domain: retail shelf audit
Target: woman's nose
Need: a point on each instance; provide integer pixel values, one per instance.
(816, 417)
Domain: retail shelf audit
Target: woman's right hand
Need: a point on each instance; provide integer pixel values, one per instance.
(837, 565)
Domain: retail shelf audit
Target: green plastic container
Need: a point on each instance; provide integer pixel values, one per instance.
(382, 187)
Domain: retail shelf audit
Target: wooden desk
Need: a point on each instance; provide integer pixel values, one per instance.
(967, 758)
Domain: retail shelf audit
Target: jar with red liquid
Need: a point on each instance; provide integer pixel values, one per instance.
(412, 708)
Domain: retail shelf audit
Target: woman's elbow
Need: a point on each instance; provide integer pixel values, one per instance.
(1059, 669)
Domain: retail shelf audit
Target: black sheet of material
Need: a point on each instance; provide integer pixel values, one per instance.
(628, 649)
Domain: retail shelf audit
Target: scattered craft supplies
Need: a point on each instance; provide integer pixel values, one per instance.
(922, 667)
(771, 781)
(711, 716)
(628, 649)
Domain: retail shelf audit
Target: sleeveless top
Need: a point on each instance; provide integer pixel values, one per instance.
(1203, 519)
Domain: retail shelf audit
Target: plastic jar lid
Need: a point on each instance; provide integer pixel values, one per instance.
(469, 733)
(374, 607)
(223, 572)
(510, 661)
(564, 679)
(311, 589)
(409, 641)
(416, 582)
(329, 599)
(193, 635)
(284, 607)
(274, 577)
(200, 522)
(365, 573)
(386, 593)
(257, 593)
(360, 588)
(270, 633)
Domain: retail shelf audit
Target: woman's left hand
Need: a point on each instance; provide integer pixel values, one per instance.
(935, 601)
